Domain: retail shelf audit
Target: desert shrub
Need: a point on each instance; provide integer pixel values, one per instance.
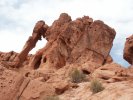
(96, 86)
(52, 98)
(77, 76)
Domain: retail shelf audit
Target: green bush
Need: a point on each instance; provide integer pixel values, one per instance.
(96, 86)
(52, 98)
(77, 76)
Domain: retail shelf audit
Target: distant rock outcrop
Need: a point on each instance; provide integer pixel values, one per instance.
(128, 50)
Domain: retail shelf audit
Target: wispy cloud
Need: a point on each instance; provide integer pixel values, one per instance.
(19, 16)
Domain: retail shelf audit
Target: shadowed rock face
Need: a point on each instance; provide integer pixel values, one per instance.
(128, 50)
(75, 41)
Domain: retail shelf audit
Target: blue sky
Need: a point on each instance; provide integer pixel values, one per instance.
(18, 17)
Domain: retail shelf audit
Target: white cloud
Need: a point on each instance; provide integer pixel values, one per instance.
(19, 16)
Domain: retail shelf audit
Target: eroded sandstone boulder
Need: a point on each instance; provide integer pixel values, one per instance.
(128, 50)
(75, 41)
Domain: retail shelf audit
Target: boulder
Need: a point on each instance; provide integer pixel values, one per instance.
(61, 87)
(128, 50)
(75, 41)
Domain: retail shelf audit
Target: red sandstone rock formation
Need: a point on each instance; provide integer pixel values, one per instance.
(11, 84)
(128, 50)
(10, 59)
(81, 44)
(38, 31)
(8, 56)
(79, 41)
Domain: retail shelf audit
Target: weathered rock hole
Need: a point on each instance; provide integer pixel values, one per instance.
(75, 86)
(27, 74)
(86, 72)
(69, 42)
(103, 69)
(105, 78)
(44, 60)
(38, 63)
